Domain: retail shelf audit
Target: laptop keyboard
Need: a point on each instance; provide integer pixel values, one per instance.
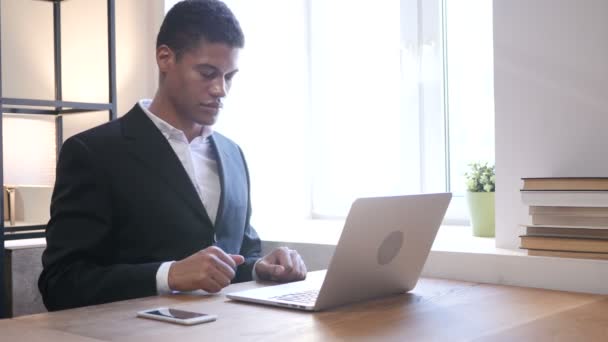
(309, 296)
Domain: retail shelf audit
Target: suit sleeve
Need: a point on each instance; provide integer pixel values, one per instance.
(251, 248)
(78, 267)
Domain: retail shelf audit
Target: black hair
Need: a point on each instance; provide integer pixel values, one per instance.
(189, 21)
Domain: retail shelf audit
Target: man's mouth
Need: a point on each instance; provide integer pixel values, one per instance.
(212, 105)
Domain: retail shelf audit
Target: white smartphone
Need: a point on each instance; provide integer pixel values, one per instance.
(177, 316)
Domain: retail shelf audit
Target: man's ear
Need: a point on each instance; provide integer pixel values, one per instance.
(165, 58)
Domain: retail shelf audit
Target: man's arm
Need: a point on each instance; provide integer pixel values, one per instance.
(79, 265)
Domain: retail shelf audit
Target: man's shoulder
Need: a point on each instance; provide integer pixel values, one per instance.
(105, 134)
(100, 137)
(107, 131)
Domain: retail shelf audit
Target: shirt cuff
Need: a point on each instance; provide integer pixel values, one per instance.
(254, 275)
(162, 278)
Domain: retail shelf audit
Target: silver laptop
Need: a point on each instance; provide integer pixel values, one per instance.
(382, 249)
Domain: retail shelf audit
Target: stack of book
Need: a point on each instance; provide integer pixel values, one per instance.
(569, 217)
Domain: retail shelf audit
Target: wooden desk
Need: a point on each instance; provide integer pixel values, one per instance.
(436, 310)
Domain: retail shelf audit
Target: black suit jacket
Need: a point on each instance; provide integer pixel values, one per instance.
(123, 204)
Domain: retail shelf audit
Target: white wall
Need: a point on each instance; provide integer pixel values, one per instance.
(551, 98)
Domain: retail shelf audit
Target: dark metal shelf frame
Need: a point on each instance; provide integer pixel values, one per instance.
(57, 108)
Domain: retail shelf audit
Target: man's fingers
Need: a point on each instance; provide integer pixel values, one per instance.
(216, 277)
(301, 268)
(304, 267)
(220, 278)
(238, 259)
(226, 263)
(221, 255)
(277, 270)
(221, 267)
(295, 261)
(210, 269)
(213, 285)
(283, 256)
(282, 264)
(291, 263)
(297, 267)
(269, 271)
(214, 259)
(298, 271)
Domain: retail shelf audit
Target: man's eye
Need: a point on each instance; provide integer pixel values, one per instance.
(208, 75)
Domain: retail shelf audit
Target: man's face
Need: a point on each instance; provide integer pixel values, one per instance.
(197, 82)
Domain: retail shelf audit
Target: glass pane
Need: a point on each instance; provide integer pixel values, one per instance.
(359, 143)
(470, 89)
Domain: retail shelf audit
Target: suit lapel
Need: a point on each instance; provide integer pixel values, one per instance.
(222, 170)
(231, 177)
(149, 146)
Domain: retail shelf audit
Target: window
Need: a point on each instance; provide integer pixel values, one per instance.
(341, 99)
(470, 92)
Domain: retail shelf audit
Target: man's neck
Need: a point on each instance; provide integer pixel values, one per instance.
(164, 110)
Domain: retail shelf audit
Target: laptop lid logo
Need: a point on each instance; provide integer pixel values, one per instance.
(390, 247)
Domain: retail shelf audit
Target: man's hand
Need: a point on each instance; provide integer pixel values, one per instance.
(210, 269)
(282, 264)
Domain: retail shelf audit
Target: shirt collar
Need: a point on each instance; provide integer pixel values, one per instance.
(166, 128)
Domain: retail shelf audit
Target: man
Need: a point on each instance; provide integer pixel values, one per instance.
(158, 185)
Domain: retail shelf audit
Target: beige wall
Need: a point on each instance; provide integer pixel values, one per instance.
(27, 53)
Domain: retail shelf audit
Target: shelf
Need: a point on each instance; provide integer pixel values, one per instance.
(21, 225)
(56, 108)
(30, 234)
(30, 106)
(23, 230)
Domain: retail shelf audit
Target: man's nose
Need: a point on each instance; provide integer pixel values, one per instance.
(218, 88)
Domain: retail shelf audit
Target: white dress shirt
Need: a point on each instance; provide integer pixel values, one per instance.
(198, 159)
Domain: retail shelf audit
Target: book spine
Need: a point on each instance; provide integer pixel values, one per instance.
(565, 244)
(565, 198)
(570, 221)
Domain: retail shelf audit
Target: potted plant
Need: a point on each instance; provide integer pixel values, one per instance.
(481, 184)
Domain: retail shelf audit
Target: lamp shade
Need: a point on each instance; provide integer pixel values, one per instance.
(29, 150)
